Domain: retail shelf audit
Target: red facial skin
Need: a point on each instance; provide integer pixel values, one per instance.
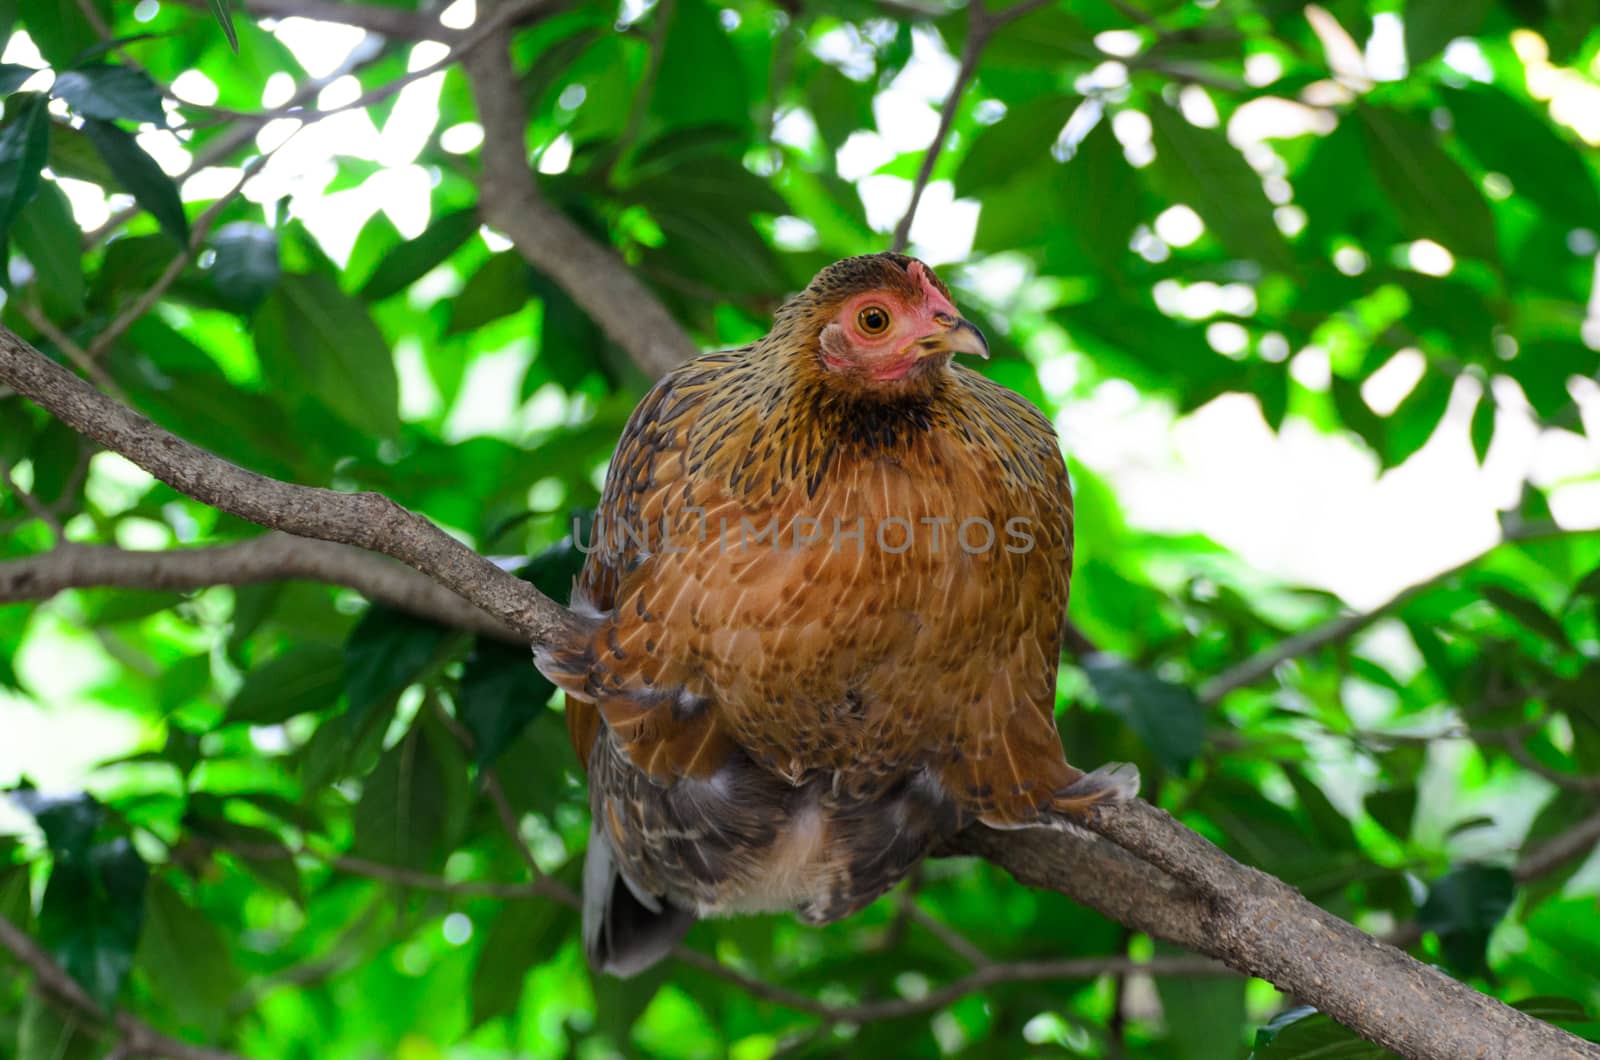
(889, 356)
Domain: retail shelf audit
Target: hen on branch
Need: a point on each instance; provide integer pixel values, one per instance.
(828, 595)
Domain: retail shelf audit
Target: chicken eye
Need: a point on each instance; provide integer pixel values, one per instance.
(874, 320)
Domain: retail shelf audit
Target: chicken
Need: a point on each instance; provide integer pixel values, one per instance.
(826, 606)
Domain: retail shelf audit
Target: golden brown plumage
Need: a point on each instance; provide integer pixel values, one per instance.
(829, 592)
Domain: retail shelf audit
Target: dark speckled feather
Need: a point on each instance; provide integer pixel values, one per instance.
(775, 725)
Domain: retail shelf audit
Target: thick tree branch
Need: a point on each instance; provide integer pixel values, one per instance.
(1262, 927)
(136, 1037)
(591, 274)
(1165, 880)
(367, 520)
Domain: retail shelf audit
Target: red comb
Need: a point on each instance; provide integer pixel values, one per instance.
(923, 277)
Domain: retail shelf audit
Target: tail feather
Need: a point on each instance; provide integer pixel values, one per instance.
(625, 930)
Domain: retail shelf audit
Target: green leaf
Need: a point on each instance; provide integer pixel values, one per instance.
(1024, 136)
(1435, 199)
(1482, 430)
(700, 81)
(1394, 809)
(24, 146)
(12, 75)
(387, 652)
(220, 11)
(1200, 168)
(1303, 1033)
(310, 334)
(1211, 1011)
(1463, 907)
(415, 258)
(1166, 716)
(1432, 24)
(48, 235)
(1527, 611)
(91, 914)
(308, 677)
(138, 173)
(522, 935)
(246, 266)
(498, 288)
(1412, 423)
(186, 957)
(415, 802)
(501, 692)
(1509, 137)
(61, 29)
(1099, 192)
(111, 92)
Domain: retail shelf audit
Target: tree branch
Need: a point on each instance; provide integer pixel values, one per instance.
(388, 21)
(1343, 627)
(367, 520)
(1184, 890)
(591, 274)
(981, 25)
(272, 557)
(137, 1038)
(1261, 926)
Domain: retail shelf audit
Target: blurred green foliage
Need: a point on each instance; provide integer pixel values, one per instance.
(218, 882)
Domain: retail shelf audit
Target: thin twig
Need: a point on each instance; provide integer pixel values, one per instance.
(981, 25)
(138, 1037)
(197, 237)
(1343, 627)
(37, 508)
(79, 357)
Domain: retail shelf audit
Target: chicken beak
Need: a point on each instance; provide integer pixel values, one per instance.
(958, 336)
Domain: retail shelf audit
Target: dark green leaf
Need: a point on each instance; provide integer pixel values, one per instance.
(91, 914)
(501, 692)
(138, 173)
(111, 92)
(1462, 908)
(1482, 430)
(220, 11)
(523, 934)
(62, 30)
(48, 235)
(1432, 24)
(414, 803)
(1528, 612)
(1167, 717)
(700, 81)
(246, 266)
(1200, 168)
(1304, 1033)
(1510, 138)
(1435, 199)
(311, 334)
(498, 288)
(415, 258)
(12, 75)
(24, 146)
(186, 956)
(306, 678)
(387, 652)
(1211, 1011)
(1024, 136)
